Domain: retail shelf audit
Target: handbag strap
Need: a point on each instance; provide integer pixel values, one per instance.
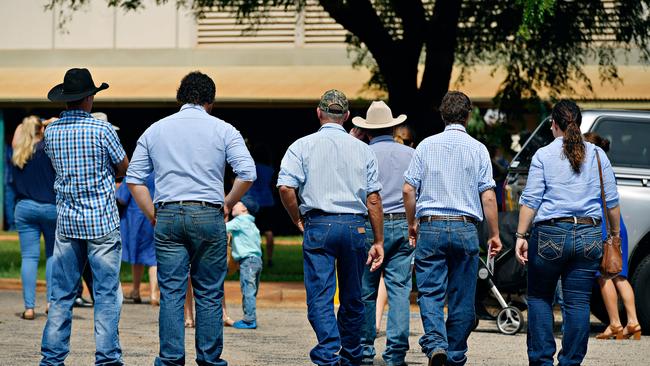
(602, 193)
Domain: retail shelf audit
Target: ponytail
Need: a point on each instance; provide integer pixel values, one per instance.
(567, 117)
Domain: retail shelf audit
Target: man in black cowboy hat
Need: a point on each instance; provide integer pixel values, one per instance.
(87, 156)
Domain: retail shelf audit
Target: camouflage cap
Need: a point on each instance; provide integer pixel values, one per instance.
(333, 101)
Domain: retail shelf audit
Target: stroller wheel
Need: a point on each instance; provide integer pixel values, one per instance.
(510, 320)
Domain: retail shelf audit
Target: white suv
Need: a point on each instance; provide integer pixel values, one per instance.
(629, 136)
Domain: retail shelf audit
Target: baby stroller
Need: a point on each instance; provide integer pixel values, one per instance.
(502, 274)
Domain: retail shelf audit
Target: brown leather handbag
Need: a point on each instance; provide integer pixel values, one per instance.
(612, 262)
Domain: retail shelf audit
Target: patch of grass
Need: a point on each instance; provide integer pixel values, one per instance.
(287, 263)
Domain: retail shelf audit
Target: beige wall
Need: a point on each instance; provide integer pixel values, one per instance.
(26, 25)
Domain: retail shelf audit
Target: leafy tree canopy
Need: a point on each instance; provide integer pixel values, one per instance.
(412, 45)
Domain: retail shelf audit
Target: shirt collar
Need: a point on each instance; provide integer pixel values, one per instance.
(382, 138)
(333, 125)
(192, 106)
(75, 113)
(455, 127)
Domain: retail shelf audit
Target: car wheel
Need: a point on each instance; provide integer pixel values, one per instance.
(641, 285)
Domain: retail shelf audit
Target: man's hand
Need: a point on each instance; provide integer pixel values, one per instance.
(494, 243)
(300, 224)
(521, 251)
(226, 212)
(413, 234)
(375, 256)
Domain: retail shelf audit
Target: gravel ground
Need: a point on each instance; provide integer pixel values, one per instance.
(283, 337)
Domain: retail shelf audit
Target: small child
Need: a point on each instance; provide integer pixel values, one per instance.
(247, 250)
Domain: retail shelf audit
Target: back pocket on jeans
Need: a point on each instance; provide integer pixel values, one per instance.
(315, 236)
(592, 246)
(550, 246)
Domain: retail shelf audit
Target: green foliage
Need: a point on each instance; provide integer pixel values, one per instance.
(535, 11)
(287, 263)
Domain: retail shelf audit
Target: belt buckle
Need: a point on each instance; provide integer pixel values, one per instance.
(575, 220)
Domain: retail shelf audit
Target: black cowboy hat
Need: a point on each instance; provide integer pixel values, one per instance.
(77, 84)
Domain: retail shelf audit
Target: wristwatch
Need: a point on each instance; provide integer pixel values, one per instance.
(522, 236)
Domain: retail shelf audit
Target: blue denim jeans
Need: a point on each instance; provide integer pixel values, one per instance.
(446, 264)
(397, 277)
(571, 253)
(190, 239)
(335, 245)
(104, 255)
(32, 219)
(250, 269)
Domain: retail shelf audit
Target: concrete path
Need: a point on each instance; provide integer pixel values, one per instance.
(284, 337)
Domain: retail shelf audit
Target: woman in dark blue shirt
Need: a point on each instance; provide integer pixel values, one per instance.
(35, 211)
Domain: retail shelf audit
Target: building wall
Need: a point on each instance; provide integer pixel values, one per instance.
(95, 26)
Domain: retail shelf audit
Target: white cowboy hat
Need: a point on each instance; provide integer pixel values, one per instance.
(378, 116)
(102, 116)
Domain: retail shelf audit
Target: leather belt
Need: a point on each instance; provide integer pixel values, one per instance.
(395, 216)
(189, 203)
(572, 220)
(317, 212)
(471, 220)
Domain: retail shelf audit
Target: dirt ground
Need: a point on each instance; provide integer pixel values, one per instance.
(283, 337)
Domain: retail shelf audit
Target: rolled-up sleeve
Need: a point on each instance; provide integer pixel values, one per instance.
(113, 146)
(535, 186)
(140, 165)
(485, 179)
(372, 174)
(291, 173)
(609, 180)
(239, 157)
(413, 174)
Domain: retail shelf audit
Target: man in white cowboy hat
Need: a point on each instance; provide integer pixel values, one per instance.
(449, 188)
(87, 157)
(393, 159)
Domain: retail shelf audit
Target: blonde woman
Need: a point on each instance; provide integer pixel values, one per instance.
(36, 205)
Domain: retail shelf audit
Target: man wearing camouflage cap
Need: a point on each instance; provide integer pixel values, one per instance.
(335, 176)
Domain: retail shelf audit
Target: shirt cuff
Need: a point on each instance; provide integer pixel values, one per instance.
(484, 187)
(247, 176)
(529, 203)
(287, 181)
(134, 180)
(375, 188)
(612, 203)
(412, 181)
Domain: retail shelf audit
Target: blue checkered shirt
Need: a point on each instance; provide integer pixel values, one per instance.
(84, 151)
(449, 172)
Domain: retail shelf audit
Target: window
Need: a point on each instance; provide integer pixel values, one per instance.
(629, 140)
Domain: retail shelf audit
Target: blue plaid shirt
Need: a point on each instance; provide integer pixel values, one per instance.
(84, 151)
(449, 172)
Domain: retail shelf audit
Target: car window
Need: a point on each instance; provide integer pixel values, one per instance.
(541, 137)
(629, 140)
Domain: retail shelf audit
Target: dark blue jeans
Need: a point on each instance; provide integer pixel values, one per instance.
(250, 269)
(335, 245)
(571, 253)
(397, 277)
(190, 239)
(446, 263)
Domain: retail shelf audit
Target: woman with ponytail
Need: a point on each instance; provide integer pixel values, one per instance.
(36, 206)
(562, 202)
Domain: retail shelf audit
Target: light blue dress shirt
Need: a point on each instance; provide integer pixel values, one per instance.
(394, 159)
(246, 239)
(449, 172)
(188, 152)
(333, 171)
(555, 191)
